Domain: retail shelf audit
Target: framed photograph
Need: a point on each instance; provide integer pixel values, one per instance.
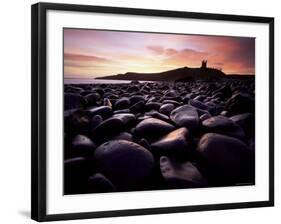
(139, 111)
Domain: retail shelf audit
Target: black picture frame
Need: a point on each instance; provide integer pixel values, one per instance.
(39, 123)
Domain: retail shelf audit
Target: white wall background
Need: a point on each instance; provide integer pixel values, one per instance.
(15, 111)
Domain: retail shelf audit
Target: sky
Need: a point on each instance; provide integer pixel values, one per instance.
(95, 53)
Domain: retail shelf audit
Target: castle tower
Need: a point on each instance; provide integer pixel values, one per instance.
(204, 64)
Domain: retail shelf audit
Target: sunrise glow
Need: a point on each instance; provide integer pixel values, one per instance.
(95, 53)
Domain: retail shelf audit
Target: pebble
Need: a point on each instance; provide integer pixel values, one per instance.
(225, 159)
(181, 175)
(166, 108)
(98, 183)
(174, 144)
(223, 125)
(185, 116)
(82, 146)
(127, 164)
(152, 128)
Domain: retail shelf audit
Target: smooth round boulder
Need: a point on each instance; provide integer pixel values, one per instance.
(152, 128)
(158, 115)
(198, 104)
(246, 121)
(143, 142)
(104, 111)
(123, 136)
(152, 106)
(107, 129)
(175, 103)
(204, 117)
(96, 120)
(166, 108)
(98, 183)
(138, 107)
(174, 144)
(74, 89)
(122, 103)
(82, 146)
(136, 98)
(181, 175)
(223, 125)
(185, 116)
(240, 103)
(121, 111)
(128, 119)
(225, 160)
(92, 98)
(127, 164)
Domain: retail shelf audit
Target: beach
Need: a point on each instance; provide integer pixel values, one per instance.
(134, 136)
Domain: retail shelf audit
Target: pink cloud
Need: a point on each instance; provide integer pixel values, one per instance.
(82, 57)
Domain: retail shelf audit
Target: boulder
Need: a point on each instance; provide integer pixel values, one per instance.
(185, 116)
(127, 164)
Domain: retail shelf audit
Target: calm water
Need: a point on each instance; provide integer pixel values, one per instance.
(91, 80)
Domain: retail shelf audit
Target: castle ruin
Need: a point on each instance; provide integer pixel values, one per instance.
(204, 64)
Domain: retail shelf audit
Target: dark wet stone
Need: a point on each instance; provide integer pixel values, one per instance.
(223, 125)
(127, 164)
(246, 121)
(181, 175)
(198, 104)
(152, 106)
(136, 98)
(98, 90)
(138, 107)
(226, 160)
(153, 128)
(225, 91)
(133, 88)
(74, 89)
(128, 119)
(107, 129)
(143, 142)
(92, 98)
(166, 108)
(121, 111)
(98, 183)
(82, 146)
(76, 173)
(175, 103)
(142, 118)
(104, 111)
(174, 144)
(201, 112)
(123, 136)
(96, 120)
(200, 98)
(205, 116)
(171, 93)
(240, 103)
(185, 116)
(158, 115)
(76, 121)
(111, 96)
(72, 101)
(122, 103)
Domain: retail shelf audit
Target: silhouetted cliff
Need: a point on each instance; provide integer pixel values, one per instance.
(179, 74)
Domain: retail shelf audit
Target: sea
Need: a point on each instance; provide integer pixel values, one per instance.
(95, 81)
